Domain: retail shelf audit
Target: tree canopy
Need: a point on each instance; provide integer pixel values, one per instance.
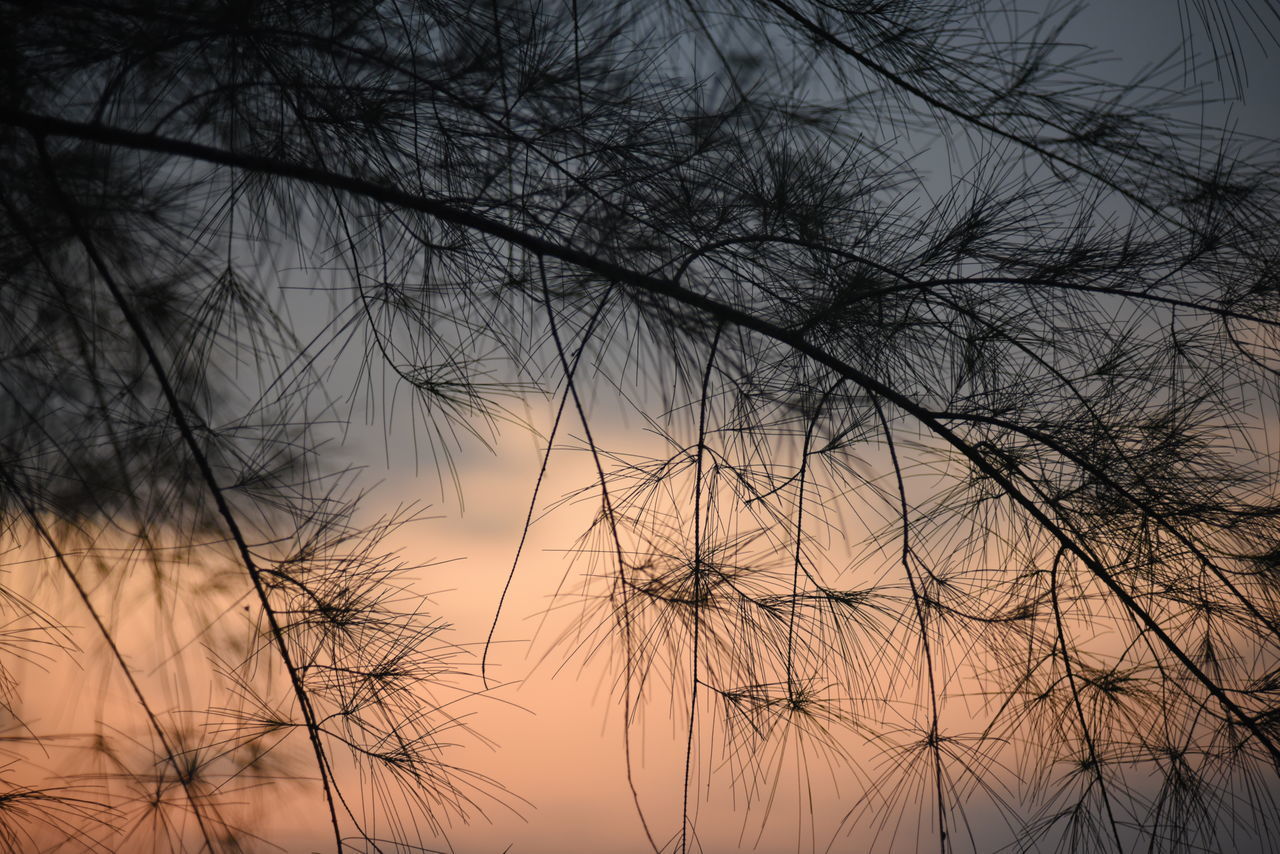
(957, 365)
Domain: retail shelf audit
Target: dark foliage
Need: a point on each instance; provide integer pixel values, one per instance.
(965, 360)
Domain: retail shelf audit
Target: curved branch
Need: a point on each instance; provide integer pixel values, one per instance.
(652, 286)
(187, 432)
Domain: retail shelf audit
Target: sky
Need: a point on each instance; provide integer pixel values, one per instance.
(551, 729)
(565, 753)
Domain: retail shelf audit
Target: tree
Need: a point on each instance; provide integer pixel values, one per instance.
(969, 462)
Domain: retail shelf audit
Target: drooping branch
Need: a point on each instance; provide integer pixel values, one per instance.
(203, 465)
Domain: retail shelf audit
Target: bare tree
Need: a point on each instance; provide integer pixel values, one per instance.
(964, 359)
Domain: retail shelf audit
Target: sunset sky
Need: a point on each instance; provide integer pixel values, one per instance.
(545, 742)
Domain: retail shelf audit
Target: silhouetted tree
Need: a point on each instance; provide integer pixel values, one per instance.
(891, 279)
